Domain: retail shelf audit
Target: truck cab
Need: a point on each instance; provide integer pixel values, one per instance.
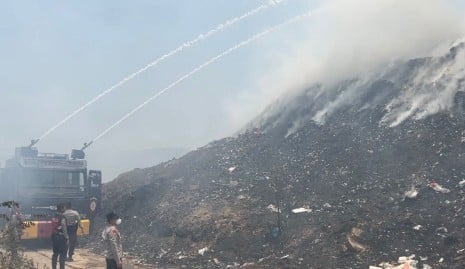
(40, 181)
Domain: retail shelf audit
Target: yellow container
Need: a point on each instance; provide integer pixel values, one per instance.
(86, 227)
(43, 230)
(31, 232)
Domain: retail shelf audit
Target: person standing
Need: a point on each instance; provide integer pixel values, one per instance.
(112, 239)
(73, 220)
(60, 238)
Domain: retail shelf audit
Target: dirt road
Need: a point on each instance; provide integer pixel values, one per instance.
(83, 260)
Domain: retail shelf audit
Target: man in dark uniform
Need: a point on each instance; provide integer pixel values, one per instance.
(73, 220)
(60, 238)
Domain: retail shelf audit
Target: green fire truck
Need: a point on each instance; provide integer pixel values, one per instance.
(40, 181)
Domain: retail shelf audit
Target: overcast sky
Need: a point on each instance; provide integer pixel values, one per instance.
(57, 55)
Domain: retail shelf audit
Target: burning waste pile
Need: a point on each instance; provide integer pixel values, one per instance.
(357, 176)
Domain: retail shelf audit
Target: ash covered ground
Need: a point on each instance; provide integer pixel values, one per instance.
(348, 160)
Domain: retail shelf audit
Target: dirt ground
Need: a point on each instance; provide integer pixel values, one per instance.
(83, 259)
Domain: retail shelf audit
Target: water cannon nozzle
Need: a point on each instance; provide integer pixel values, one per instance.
(86, 145)
(33, 142)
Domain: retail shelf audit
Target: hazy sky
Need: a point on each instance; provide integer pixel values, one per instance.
(56, 55)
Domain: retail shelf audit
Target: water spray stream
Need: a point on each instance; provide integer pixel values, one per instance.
(217, 29)
(202, 66)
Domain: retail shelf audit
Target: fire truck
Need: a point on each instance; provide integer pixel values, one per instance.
(38, 182)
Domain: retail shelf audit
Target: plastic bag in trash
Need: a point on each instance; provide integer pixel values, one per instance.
(435, 186)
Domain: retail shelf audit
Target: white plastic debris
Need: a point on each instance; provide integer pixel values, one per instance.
(327, 205)
(441, 260)
(425, 266)
(403, 263)
(462, 183)
(203, 251)
(273, 208)
(412, 193)
(231, 169)
(162, 253)
(301, 210)
(418, 227)
(435, 186)
(284, 257)
(405, 259)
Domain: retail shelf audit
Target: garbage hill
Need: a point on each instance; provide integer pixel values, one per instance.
(347, 175)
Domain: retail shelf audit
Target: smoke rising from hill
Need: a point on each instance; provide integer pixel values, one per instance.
(365, 40)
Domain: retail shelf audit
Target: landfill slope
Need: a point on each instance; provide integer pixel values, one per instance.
(347, 175)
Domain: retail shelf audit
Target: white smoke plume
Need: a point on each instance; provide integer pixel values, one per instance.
(359, 39)
(432, 90)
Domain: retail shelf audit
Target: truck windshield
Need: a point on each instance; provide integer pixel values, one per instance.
(44, 178)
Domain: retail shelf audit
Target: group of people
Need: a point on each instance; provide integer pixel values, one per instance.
(64, 237)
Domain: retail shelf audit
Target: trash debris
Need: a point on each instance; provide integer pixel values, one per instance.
(412, 193)
(327, 205)
(417, 227)
(273, 208)
(247, 264)
(203, 251)
(351, 238)
(402, 263)
(284, 257)
(405, 259)
(301, 210)
(462, 183)
(435, 186)
(162, 253)
(232, 169)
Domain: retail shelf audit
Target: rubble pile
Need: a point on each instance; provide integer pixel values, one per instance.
(348, 193)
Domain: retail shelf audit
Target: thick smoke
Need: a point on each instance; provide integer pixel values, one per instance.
(432, 89)
(363, 40)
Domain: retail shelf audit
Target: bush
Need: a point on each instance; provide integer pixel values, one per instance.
(11, 253)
